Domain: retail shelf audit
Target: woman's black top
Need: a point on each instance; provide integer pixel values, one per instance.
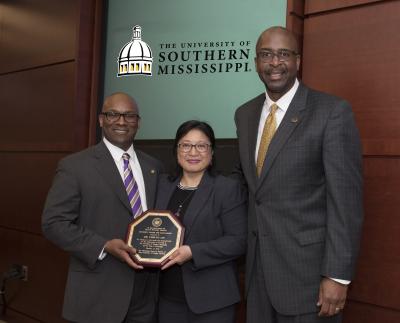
(171, 283)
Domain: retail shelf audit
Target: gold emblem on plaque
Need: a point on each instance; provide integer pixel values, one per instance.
(156, 222)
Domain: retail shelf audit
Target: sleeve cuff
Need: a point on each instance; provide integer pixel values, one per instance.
(102, 254)
(341, 281)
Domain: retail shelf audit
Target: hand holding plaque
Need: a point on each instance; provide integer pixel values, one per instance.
(180, 256)
(155, 235)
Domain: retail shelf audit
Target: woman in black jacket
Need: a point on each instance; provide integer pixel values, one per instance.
(199, 282)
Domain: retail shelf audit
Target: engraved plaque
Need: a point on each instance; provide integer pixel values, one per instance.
(155, 235)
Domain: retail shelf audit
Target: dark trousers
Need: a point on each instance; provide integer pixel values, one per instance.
(179, 312)
(260, 309)
(142, 308)
(143, 305)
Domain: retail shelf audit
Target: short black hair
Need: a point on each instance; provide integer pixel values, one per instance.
(182, 131)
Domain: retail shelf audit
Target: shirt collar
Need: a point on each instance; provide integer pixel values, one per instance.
(117, 152)
(284, 101)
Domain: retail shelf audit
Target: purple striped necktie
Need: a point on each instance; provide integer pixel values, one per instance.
(131, 187)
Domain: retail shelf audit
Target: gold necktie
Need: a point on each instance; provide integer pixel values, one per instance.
(268, 133)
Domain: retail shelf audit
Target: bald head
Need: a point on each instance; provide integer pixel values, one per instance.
(281, 32)
(120, 98)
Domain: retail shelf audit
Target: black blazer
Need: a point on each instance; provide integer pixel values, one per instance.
(215, 229)
(86, 206)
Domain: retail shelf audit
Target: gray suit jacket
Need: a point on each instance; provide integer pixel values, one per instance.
(86, 206)
(215, 229)
(305, 210)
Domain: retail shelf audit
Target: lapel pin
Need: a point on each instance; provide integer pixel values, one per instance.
(294, 119)
(152, 171)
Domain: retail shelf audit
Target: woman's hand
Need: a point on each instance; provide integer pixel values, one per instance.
(180, 256)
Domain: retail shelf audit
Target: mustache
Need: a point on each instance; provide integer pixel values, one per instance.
(121, 128)
(274, 70)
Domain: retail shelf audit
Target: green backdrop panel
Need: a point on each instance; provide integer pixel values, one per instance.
(202, 59)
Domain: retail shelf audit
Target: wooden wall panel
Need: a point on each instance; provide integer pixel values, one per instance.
(352, 53)
(48, 92)
(357, 312)
(38, 109)
(89, 64)
(22, 202)
(318, 6)
(39, 296)
(294, 19)
(15, 317)
(378, 273)
(36, 33)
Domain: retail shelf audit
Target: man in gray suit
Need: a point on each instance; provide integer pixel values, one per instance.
(87, 213)
(300, 156)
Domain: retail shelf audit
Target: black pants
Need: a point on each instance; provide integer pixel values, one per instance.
(142, 308)
(260, 309)
(177, 312)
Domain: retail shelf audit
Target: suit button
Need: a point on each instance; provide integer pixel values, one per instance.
(254, 233)
(258, 202)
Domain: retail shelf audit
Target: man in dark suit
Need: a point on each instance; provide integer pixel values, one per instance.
(300, 156)
(87, 213)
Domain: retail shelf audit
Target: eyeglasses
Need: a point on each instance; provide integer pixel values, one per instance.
(112, 116)
(200, 147)
(283, 55)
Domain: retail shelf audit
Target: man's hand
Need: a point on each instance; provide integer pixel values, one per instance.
(120, 250)
(179, 257)
(332, 297)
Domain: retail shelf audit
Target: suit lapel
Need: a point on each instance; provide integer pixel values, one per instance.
(108, 170)
(198, 202)
(253, 122)
(149, 178)
(291, 120)
(168, 188)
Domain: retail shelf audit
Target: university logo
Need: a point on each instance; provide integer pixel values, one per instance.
(135, 58)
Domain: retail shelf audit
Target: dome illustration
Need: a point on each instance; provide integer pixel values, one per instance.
(136, 56)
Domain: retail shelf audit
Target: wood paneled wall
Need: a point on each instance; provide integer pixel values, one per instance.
(350, 48)
(48, 97)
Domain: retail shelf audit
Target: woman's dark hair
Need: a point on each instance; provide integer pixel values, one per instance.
(182, 131)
